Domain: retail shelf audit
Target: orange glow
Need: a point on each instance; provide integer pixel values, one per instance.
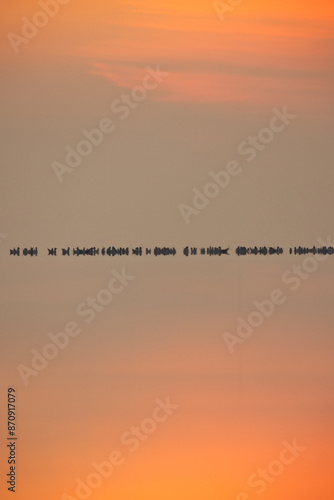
(261, 50)
(235, 411)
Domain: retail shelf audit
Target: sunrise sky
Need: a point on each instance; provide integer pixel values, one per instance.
(163, 335)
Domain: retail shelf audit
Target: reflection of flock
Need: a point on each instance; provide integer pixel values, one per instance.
(259, 251)
(211, 251)
(166, 251)
(33, 252)
(314, 250)
(279, 251)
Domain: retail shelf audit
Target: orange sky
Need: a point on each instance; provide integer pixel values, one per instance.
(261, 51)
(164, 335)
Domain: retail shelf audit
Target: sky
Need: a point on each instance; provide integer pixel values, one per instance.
(213, 84)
